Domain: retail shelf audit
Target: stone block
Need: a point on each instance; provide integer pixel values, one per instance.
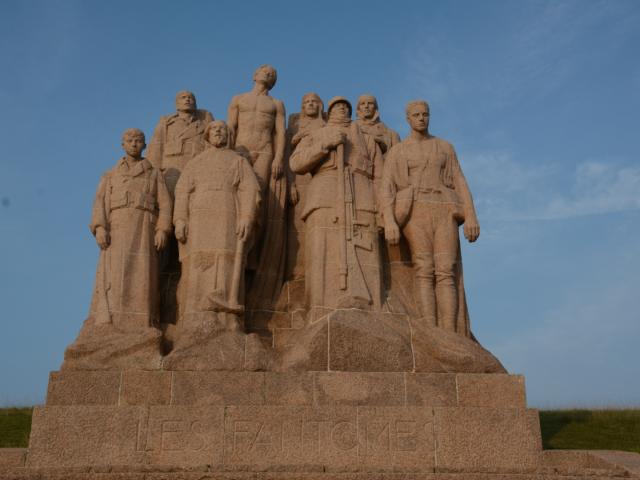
(105, 436)
(268, 320)
(68, 436)
(296, 294)
(359, 388)
(218, 388)
(288, 388)
(431, 389)
(303, 350)
(84, 387)
(363, 341)
(144, 387)
(294, 438)
(298, 319)
(491, 390)
(12, 458)
(183, 436)
(487, 440)
(396, 439)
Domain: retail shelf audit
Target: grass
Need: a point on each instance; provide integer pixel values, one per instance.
(591, 429)
(15, 425)
(561, 429)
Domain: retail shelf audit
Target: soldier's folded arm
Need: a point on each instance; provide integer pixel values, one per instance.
(308, 154)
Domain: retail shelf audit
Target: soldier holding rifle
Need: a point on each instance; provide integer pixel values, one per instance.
(341, 240)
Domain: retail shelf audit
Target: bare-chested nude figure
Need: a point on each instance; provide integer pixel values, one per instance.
(257, 122)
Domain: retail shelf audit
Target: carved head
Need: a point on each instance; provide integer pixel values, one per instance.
(266, 75)
(367, 108)
(185, 101)
(133, 142)
(216, 134)
(312, 106)
(339, 108)
(418, 115)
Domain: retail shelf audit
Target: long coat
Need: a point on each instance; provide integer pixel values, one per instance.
(131, 204)
(216, 190)
(323, 232)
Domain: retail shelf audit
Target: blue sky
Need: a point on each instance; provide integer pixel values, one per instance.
(539, 98)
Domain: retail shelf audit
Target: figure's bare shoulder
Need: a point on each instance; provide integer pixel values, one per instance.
(444, 145)
(236, 99)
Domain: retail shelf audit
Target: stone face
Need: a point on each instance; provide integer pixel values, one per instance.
(101, 436)
(12, 458)
(396, 439)
(218, 388)
(495, 390)
(183, 436)
(141, 387)
(291, 438)
(85, 435)
(431, 389)
(355, 388)
(83, 387)
(487, 440)
(289, 389)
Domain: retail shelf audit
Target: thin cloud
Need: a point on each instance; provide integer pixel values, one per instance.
(506, 190)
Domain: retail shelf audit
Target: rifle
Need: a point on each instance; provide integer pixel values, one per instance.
(342, 217)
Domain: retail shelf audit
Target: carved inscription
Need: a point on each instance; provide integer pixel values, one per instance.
(291, 437)
(396, 438)
(340, 437)
(190, 436)
(170, 435)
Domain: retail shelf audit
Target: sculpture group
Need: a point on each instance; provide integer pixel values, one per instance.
(218, 217)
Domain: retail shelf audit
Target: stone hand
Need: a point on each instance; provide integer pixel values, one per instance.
(102, 238)
(160, 239)
(243, 230)
(276, 169)
(181, 232)
(471, 230)
(294, 196)
(334, 137)
(392, 233)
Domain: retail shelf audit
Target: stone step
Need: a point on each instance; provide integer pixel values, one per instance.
(141, 388)
(341, 438)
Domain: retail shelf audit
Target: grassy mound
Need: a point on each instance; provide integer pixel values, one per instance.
(15, 425)
(591, 429)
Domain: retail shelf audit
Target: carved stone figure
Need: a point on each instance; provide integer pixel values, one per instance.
(176, 139)
(311, 117)
(341, 242)
(131, 221)
(217, 200)
(426, 195)
(370, 123)
(257, 123)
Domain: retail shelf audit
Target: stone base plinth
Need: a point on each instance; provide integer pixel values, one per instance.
(297, 426)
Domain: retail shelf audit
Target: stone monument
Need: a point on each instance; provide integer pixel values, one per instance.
(352, 381)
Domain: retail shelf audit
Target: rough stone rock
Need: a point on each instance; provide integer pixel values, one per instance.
(201, 349)
(358, 340)
(103, 347)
